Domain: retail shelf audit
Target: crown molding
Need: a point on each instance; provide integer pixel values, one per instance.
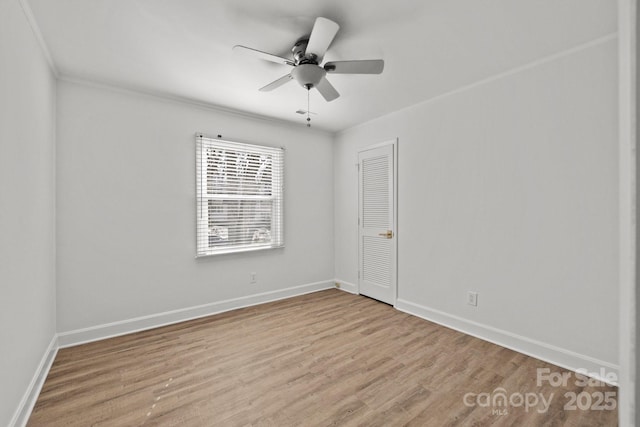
(140, 91)
(28, 13)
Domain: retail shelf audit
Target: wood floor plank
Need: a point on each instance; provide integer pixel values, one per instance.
(327, 358)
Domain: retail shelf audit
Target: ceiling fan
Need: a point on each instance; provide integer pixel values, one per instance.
(308, 53)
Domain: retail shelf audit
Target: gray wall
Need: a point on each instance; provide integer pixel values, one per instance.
(637, 213)
(27, 219)
(508, 188)
(126, 208)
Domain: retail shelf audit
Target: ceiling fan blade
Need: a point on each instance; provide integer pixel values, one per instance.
(324, 30)
(368, 66)
(277, 83)
(326, 89)
(262, 55)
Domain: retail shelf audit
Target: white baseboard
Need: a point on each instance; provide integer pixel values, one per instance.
(23, 412)
(549, 353)
(109, 330)
(347, 287)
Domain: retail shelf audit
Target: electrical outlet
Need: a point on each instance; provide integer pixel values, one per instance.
(472, 298)
(253, 277)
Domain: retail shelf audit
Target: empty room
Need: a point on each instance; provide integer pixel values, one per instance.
(367, 213)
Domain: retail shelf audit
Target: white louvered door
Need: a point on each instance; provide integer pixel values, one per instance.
(377, 234)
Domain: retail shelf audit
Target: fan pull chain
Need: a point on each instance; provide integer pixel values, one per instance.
(308, 109)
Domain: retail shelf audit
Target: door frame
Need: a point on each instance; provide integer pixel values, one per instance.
(629, 237)
(394, 149)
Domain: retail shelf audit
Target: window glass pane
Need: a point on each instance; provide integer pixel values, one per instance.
(239, 222)
(236, 172)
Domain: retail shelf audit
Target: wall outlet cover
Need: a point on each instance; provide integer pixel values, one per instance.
(472, 298)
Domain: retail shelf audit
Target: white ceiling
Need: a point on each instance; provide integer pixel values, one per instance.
(184, 48)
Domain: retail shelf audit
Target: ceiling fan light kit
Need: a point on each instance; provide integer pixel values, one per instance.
(308, 75)
(308, 53)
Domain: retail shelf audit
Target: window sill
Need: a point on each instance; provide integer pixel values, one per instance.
(236, 250)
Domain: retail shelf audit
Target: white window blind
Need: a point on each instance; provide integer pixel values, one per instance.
(239, 196)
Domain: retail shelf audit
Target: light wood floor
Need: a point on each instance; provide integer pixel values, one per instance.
(328, 358)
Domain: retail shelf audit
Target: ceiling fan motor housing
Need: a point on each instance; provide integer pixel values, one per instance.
(298, 50)
(308, 75)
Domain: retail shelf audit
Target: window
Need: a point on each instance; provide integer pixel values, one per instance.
(239, 196)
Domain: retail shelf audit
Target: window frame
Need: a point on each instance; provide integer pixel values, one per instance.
(204, 196)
